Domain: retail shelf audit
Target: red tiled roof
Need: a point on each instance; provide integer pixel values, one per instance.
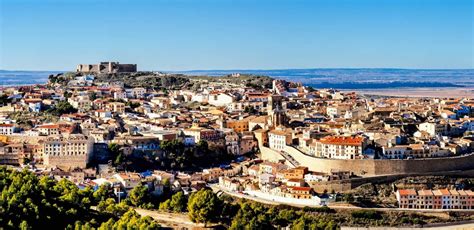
(295, 188)
(338, 140)
(406, 192)
(444, 191)
(52, 126)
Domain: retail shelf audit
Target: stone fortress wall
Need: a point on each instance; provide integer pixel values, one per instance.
(377, 167)
(106, 67)
(66, 162)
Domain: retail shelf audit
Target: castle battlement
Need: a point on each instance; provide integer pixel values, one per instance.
(106, 67)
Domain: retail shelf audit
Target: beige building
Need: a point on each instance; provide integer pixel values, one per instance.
(6, 129)
(67, 151)
(49, 129)
(117, 107)
(338, 147)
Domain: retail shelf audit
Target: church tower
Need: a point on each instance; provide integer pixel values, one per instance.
(278, 117)
(270, 105)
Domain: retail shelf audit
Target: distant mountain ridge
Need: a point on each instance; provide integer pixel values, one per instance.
(363, 78)
(342, 78)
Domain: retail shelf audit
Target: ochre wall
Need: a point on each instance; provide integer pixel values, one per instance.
(370, 167)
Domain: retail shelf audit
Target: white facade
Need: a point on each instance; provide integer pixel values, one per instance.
(433, 129)
(138, 92)
(6, 129)
(221, 99)
(276, 141)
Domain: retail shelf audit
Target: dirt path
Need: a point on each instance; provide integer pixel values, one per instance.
(173, 220)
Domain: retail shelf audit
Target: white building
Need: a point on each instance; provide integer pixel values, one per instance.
(433, 129)
(278, 139)
(138, 92)
(6, 129)
(221, 99)
(339, 147)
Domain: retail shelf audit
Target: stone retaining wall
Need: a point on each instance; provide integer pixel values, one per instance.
(371, 167)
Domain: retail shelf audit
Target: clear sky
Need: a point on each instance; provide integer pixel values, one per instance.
(246, 34)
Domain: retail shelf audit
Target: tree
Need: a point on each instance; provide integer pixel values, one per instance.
(203, 206)
(348, 197)
(102, 193)
(286, 216)
(139, 195)
(116, 153)
(92, 95)
(252, 215)
(178, 202)
(28, 201)
(61, 108)
(4, 99)
(67, 94)
(131, 220)
(110, 206)
(202, 148)
(24, 225)
(165, 206)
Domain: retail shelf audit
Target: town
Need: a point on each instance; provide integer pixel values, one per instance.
(252, 137)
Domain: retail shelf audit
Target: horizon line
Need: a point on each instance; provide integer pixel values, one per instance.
(258, 69)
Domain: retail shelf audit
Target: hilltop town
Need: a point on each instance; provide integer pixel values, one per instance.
(251, 137)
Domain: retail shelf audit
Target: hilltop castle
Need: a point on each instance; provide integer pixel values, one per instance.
(106, 67)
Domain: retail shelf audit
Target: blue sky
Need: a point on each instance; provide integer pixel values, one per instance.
(246, 34)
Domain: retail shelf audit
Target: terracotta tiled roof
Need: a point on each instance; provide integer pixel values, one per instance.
(407, 192)
(52, 126)
(444, 191)
(301, 188)
(338, 140)
(425, 193)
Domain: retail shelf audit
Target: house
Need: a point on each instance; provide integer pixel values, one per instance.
(212, 174)
(298, 192)
(247, 143)
(340, 147)
(433, 128)
(48, 129)
(103, 113)
(202, 133)
(407, 198)
(425, 199)
(232, 185)
(34, 104)
(253, 170)
(270, 167)
(297, 173)
(435, 199)
(221, 99)
(128, 180)
(295, 182)
(278, 139)
(315, 177)
(138, 92)
(266, 178)
(7, 129)
(117, 107)
(232, 143)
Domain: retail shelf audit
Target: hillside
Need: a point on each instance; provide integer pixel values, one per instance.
(157, 81)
